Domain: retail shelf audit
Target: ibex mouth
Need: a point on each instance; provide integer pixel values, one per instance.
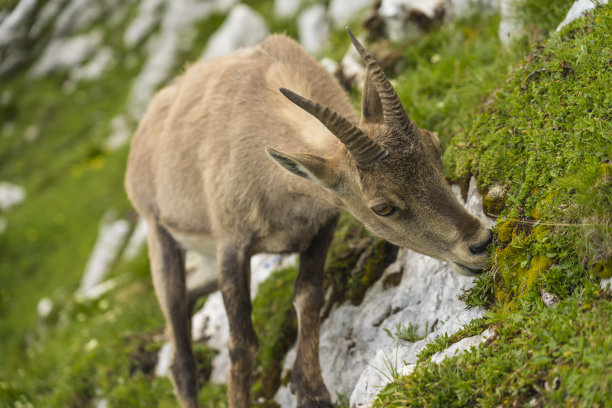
(466, 270)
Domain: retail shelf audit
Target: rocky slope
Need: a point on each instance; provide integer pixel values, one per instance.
(76, 77)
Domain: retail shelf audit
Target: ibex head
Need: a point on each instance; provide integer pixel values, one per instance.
(390, 176)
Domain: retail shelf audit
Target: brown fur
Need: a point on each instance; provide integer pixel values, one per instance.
(198, 170)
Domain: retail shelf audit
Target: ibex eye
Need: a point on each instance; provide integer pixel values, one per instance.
(384, 210)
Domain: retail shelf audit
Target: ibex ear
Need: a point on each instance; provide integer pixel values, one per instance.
(371, 107)
(311, 167)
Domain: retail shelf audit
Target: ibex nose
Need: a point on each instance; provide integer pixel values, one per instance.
(481, 247)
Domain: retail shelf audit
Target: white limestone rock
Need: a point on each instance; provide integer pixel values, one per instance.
(461, 8)
(46, 15)
(343, 11)
(606, 285)
(100, 289)
(149, 13)
(510, 28)
(287, 8)
(137, 239)
(111, 237)
(10, 195)
(329, 64)
(11, 24)
(178, 18)
(76, 15)
(67, 53)
(396, 16)
(242, 27)
(313, 28)
(120, 133)
(352, 68)
(162, 368)
(44, 308)
(356, 352)
(462, 346)
(578, 9)
(102, 60)
(211, 322)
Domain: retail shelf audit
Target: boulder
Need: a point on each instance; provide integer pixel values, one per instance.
(357, 354)
(404, 19)
(578, 9)
(343, 11)
(461, 8)
(10, 195)
(242, 27)
(137, 239)
(177, 18)
(287, 8)
(111, 237)
(149, 14)
(510, 28)
(14, 22)
(102, 60)
(210, 322)
(120, 133)
(77, 15)
(67, 53)
(313, 28)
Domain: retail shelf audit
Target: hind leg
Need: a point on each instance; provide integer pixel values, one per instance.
(168, 271)
(234, 271)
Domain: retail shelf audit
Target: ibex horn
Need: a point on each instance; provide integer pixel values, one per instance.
(365, 150)
(393, 110)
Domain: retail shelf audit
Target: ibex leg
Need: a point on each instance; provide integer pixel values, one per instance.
(168, 270)
(306, 378)
(234, 273)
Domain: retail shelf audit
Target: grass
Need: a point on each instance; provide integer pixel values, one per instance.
(538, 17)
(275, 323)
(445, 77)
(552, 357)
(543, 141)
(71, 181)
(552, 116)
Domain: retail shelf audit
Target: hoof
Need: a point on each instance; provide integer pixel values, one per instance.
(315, 404)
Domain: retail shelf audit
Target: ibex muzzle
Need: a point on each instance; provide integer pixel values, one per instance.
(199, 173)
(391, 176)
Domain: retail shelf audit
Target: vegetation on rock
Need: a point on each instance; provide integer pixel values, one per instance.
(540, 147)
(545, 138)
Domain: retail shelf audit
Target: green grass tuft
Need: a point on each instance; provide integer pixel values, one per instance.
(543, 141)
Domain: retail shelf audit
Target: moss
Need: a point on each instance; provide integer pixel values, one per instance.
(505, 232)
(355, 261)
(444, 77)
(442, 342)
(542, 356)
(538, 17)
(544, 137)
(494, 201)
(275, 323)
(604, 268)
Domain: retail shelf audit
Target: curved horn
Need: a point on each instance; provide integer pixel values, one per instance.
(393, 110)
(365, 150)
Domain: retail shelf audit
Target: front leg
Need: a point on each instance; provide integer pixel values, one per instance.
(306, 378)
(234, 274)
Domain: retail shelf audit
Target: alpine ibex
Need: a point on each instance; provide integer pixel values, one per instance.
(223, 160)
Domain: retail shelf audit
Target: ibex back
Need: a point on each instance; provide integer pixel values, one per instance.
(229, 160)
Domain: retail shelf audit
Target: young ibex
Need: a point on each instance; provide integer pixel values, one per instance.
(224, 160)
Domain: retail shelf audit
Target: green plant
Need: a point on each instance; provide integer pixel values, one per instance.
(406, 333)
